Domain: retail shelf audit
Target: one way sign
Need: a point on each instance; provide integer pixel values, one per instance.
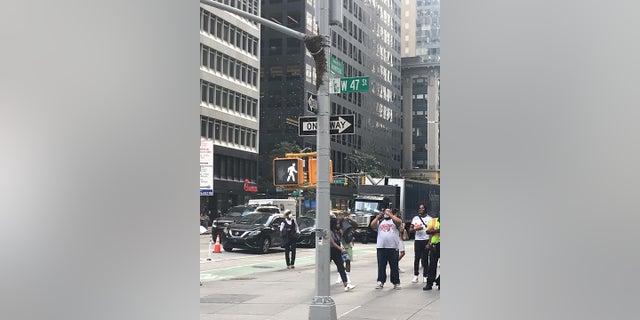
(341, 124)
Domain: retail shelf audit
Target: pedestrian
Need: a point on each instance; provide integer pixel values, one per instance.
(401, 251)
(421, 254)
(289, 231)
(388, 227)
(433, 229)
(337, 252)
(204, 219)
(346, 231)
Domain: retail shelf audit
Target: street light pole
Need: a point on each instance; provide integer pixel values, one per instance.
(322, 305)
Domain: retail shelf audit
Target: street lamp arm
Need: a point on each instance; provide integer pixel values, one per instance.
(263, 21)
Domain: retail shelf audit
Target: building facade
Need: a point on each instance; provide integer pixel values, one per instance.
(421, 89)
(421, 29)
(230, 101)
(367, 43)
(421, 106)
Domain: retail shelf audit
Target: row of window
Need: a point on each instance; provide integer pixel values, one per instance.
(294, 46)
(222, 29)
(342, 44)
(250, 6)
(277, 73)
(232, 168)
(348, 140)
(232, 134)
(220, 62)
(224, 98)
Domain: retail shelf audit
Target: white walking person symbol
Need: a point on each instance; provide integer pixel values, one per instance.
(292, 171)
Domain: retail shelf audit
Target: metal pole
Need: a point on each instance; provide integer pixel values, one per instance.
(322, 306)
(263, 21)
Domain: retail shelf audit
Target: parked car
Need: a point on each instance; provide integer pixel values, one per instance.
(307, 226)
(256, 231)
(233, 214)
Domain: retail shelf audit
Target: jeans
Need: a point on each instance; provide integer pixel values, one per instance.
(290, 252)
(336, 256)
(421, 254)
(434, 255)
(388, 256)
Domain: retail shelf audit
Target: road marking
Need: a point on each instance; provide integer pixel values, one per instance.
(344, 314)
(265, 266)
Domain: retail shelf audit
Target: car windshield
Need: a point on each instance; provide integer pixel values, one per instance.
(304, 222)
(239, 211)
(269, 210)
(255, 218)
(366, 206)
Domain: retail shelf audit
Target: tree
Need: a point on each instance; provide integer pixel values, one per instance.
(364, 162)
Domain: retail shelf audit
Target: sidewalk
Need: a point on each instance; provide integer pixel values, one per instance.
(281, 293)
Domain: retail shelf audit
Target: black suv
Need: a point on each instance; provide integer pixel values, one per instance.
(233, 214)
(257, 231)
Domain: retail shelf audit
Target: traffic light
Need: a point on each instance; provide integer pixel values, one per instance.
(313, 164)
(288, 171)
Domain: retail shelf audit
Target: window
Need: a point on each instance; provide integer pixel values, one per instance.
(275, 73)
(275, 47)
(216, 131)
(205, 57)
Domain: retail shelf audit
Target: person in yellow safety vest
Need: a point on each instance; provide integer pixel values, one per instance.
(433, 230)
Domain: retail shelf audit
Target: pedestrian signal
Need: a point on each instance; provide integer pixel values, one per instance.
(288, 171)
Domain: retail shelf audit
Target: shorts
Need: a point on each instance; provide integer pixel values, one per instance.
(401, 246)
(350, 253)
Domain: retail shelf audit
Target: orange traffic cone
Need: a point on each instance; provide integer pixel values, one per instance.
(216, 247)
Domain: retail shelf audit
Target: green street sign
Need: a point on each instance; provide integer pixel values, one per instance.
(336, 68)
(339, 180)
(346, 85)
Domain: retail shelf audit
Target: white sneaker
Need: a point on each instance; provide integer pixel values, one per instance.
(425, 279)
(415, 279)
(397, 287)
(379, 285)
(349, 287)
(400, 270)
(339, 280)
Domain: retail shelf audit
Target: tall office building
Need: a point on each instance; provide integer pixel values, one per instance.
(367, 43)
(421, 29)
(230, 94)
(421, 106)
(421, 88)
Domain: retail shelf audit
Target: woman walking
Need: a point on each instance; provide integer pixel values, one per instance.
(290, 231)
(336, 254)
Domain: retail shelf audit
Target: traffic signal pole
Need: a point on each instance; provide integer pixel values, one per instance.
(322, 305)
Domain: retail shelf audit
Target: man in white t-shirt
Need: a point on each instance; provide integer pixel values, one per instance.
(419, 226)
(387, 244)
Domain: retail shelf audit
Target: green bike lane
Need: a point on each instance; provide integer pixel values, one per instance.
(246, 268)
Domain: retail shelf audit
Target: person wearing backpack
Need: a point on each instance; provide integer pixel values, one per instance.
(290, 231)
(347, 230)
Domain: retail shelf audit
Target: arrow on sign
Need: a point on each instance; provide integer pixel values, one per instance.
(341, 124)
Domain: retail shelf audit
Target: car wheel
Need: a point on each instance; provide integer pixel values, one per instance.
(227, 248)
(266, 244)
